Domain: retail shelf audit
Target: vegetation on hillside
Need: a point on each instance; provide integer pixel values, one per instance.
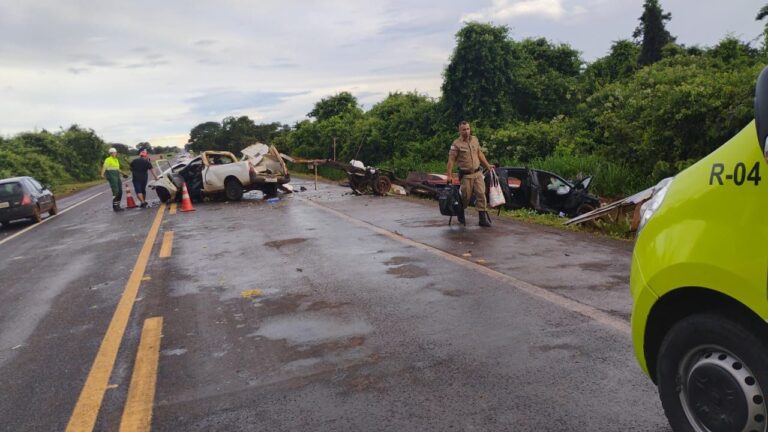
(646, 110)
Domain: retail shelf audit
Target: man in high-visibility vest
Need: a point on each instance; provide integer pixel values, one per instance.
(111, 171)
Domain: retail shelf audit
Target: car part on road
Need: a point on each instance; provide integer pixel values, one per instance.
(362, 179)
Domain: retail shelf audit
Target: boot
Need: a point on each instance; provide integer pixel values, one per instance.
(116, 207)
(461, 218)
(485, 220)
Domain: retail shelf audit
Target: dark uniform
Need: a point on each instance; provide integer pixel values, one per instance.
(466, 155)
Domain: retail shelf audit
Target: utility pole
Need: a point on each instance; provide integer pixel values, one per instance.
(334, 148)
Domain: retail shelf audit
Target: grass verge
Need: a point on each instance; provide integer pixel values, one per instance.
(64, 190)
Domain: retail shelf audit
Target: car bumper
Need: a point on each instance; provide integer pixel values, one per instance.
(19, 212)
(261, 179)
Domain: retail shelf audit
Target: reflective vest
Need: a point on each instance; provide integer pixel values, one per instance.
(111, 163)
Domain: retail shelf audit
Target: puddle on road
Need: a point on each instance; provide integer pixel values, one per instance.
(277, 244)
(398, 260)
(408, 271)
(301, 329)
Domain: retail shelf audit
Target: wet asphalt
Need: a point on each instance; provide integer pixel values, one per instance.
(305, 315)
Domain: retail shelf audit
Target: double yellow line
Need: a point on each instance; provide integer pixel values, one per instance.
(137, 413)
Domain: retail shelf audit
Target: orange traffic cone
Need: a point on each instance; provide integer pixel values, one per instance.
(186, 203)
(129, 202)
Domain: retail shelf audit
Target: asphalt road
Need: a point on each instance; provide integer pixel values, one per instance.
(323, 311)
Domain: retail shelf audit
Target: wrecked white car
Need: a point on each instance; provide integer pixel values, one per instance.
(220, 174)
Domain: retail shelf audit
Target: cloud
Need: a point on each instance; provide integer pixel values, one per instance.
(204, 42)
(226, 101)
(503, 10)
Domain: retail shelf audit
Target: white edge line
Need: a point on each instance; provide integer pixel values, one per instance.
(591, 312)
(50, 218)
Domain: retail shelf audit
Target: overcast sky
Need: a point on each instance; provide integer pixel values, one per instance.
(151, 70)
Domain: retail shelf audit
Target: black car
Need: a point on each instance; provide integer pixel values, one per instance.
(25, 197)
(545, 192)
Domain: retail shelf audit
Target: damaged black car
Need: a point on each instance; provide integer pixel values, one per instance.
(544, 191)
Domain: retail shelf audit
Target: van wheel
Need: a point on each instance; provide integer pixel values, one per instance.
(36, 217)
(712, 375)
(54, 209)
(233, 190)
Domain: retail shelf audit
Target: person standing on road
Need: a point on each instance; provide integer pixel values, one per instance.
(110, 170)
(466, 153)
(139, 168)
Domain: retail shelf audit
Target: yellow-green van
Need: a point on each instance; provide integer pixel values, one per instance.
(700, 286)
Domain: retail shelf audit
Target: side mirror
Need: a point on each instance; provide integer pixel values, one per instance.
(761, 107)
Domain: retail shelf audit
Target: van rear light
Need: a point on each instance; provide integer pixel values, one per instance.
(26, 200)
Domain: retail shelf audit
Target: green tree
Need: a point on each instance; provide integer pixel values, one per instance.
(653, 32)
(733, 52)
(338, 104)
(545, 78)
(671, 113)
(121, 148)
(760, 16)
(478, 82)
(204, 136)
(620, 63)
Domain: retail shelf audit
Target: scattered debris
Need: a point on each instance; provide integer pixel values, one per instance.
(616, 209)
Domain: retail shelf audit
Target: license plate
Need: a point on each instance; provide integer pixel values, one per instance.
(4, 204)
(270, 180)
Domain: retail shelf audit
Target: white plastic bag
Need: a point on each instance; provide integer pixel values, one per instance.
(495, 194)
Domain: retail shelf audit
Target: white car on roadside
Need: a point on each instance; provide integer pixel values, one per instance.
(220, 173)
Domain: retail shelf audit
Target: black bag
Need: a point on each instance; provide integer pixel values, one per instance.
(449, 199)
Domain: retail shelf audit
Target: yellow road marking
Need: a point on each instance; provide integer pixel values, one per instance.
(593, 313)
(167, 247)
(173, 209)
(251, 293)
(88, 404)
(137, 414)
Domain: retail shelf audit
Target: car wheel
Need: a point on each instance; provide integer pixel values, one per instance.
(233, 190)
(358, 184)
(36, 215)
(163, 194)
(584, 208)
(712, 374)
(54, 209)
(382, 185)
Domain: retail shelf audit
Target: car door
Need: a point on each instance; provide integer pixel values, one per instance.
(515, 184)
(41, 194)
(221, 165)
(554, 191)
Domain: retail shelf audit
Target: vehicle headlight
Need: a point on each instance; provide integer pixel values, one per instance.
(650, 207)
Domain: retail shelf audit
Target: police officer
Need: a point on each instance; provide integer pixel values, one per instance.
(111, 171)
(466, 153)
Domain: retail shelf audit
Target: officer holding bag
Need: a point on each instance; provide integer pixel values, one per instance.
(466, 154)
